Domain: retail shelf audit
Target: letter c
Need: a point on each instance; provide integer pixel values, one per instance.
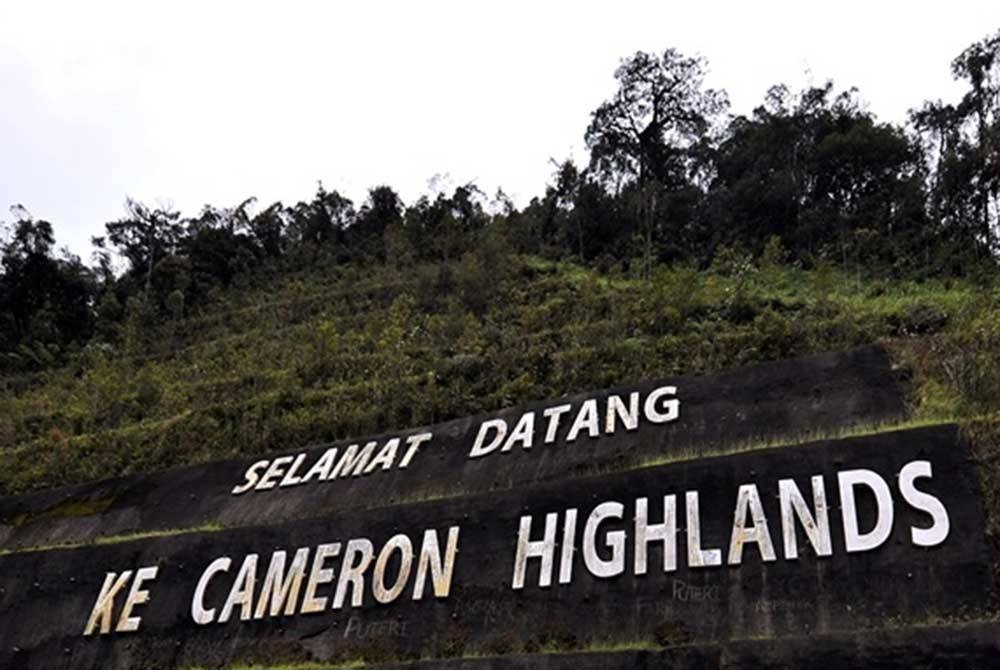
(201, 615)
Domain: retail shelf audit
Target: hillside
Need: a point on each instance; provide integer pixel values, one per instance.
(330, 353)
(295, 362)
(725, 392)
(813, 226)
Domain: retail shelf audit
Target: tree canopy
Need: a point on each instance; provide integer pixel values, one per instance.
(810, 176)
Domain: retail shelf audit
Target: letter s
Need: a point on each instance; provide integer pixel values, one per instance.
(936, 534)
(252, 476)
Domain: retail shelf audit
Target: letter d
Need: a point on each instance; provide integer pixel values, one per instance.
(481, 448)
(853, 538)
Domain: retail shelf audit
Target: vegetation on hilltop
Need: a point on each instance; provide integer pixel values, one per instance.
(693, 240)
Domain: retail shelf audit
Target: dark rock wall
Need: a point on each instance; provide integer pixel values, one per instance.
(897, 605)
(47, 596)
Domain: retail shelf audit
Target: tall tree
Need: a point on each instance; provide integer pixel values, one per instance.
(45, 302)
(660, 110)
(645, 134)
(320, 225)
(145, 236)
(819, 172)
(217, 248)
(979, 65)
(269, 226)
(383, 209)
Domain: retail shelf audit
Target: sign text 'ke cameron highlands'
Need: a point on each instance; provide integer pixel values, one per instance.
(656, 530)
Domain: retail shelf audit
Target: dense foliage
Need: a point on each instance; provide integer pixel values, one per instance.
(693, 240)
(353, 350)
(672, 179)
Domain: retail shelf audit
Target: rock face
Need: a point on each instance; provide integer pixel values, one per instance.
(700, 531)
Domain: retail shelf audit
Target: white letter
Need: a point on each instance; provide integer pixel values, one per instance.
(357, 558)
(936, 534)
(544, 549)
(321, 468)
(665, 532)
(523, 432)
(554, 415)
(201, 615)
(817, 527)
(290, 479)
(319, 575)
(251, 477)
(405, 547)
(673, 407)
(280, 588)
(105, 602)
(440, 569)
(616, 408)
(480, 448)
(242, 592)
(413, 443)
(137, 596)
(568, 539)
(585, 418)
(698, 557)
(614, 539)
(353, 460)
(273, 474)
(385, 457)
(748, 497)
(854, 540)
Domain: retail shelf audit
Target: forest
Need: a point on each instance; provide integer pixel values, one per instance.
(691, 239)
(810, 176)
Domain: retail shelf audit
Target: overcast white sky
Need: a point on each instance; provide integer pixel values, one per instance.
(187, 103)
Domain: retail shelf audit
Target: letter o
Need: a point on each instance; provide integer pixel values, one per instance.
(385, 594)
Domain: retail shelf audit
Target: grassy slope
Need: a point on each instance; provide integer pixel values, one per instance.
(328, 354)
(349, 351)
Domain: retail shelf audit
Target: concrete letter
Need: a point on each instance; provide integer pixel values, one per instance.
(671, 408)
(615, 540)
(617, 410)
(853, 538)
(585, 418)
(252, 476)
(357, 557)
(440, 568)
(665, 532)
(748, 499)
(280, 588)
(137, 596)
(481, 447)
(102, 610)
(319, 575)
(817, 528)
(402, 544)
(698, 557)
(201, 615)
(242, 592)
(925, 502)
(554, 415)
(413, 443)
(543, 549)
(524, 432)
